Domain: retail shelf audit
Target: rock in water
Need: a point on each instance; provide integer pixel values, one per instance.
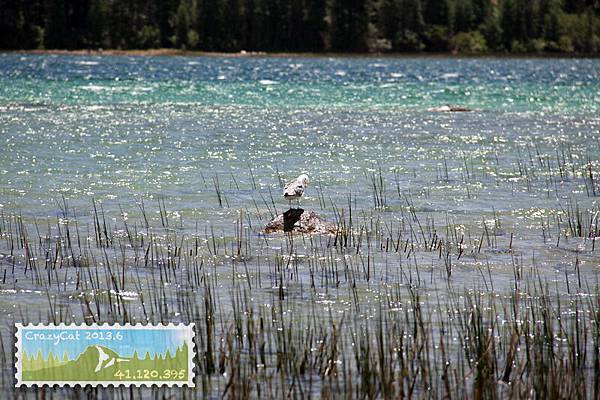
(449, 108)
(299, 221)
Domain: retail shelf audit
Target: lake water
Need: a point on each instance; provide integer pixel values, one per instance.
(505, 182)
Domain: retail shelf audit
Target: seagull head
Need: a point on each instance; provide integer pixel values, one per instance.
(304, 179)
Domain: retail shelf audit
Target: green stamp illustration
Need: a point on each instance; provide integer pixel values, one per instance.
(103, 355)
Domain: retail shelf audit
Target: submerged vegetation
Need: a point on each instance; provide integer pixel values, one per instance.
(373, 311)
(465, 26)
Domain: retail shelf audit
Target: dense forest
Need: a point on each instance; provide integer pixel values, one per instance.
(466, 26)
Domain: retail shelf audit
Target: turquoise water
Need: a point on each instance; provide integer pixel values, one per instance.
(508, 85)
(506, 177)
(117, 127)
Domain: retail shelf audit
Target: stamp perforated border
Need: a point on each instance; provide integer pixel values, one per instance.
(187, 330)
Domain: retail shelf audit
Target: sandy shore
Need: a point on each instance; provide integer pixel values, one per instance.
(147, 52)
(177, 52)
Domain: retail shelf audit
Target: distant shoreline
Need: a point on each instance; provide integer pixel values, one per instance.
(165, 52)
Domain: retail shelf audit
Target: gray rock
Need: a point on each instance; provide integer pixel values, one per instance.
(297, 220)
(449, 108)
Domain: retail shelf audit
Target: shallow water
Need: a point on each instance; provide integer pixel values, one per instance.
(121, 130)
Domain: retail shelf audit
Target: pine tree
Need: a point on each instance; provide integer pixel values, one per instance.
(411, 27)
(551, 16)
(210, 24)
(255, 19)
(439, 26)
(349, 22)
(119, 25)
(295, 26)
(522, 20)
(577, 6)
(464, 16)
(315, 26)
(436, 12)
(164, 13)
(233, 22)
(507, 23)
(389, 19)
(275, 25)
(182, 24)
(492, 31)
(482, 10)
(98, 15)
(56, 33)
(299, 25)
(12, 23)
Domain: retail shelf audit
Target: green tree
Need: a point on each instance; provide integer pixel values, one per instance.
(120, 25)
(492, 30)
(22, 24)
(389, 19)
(210, 24)
(301, 25)
(182, 23)
(148, 37)
(252, 23)
(468, 43)
(464, 16)
(57, 34)
(437, 12)
(482, 9)
(233, 22)
(436, 38)
(99, 12)
(349, 25)
(162, 17)
(592, 33)
(411, 27)
(315, 26)
(275, 25)
(295, 26)
(12, 25)
(552, 12)
(507, 23)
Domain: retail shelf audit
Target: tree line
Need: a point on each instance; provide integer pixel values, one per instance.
(466, 26)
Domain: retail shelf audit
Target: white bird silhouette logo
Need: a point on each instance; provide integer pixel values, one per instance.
(102, 357)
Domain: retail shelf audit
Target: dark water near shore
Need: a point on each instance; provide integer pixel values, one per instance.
(122, 130)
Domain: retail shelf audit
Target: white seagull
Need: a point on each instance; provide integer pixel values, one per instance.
(295, 189)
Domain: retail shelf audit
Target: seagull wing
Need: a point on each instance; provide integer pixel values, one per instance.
(294, 188)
